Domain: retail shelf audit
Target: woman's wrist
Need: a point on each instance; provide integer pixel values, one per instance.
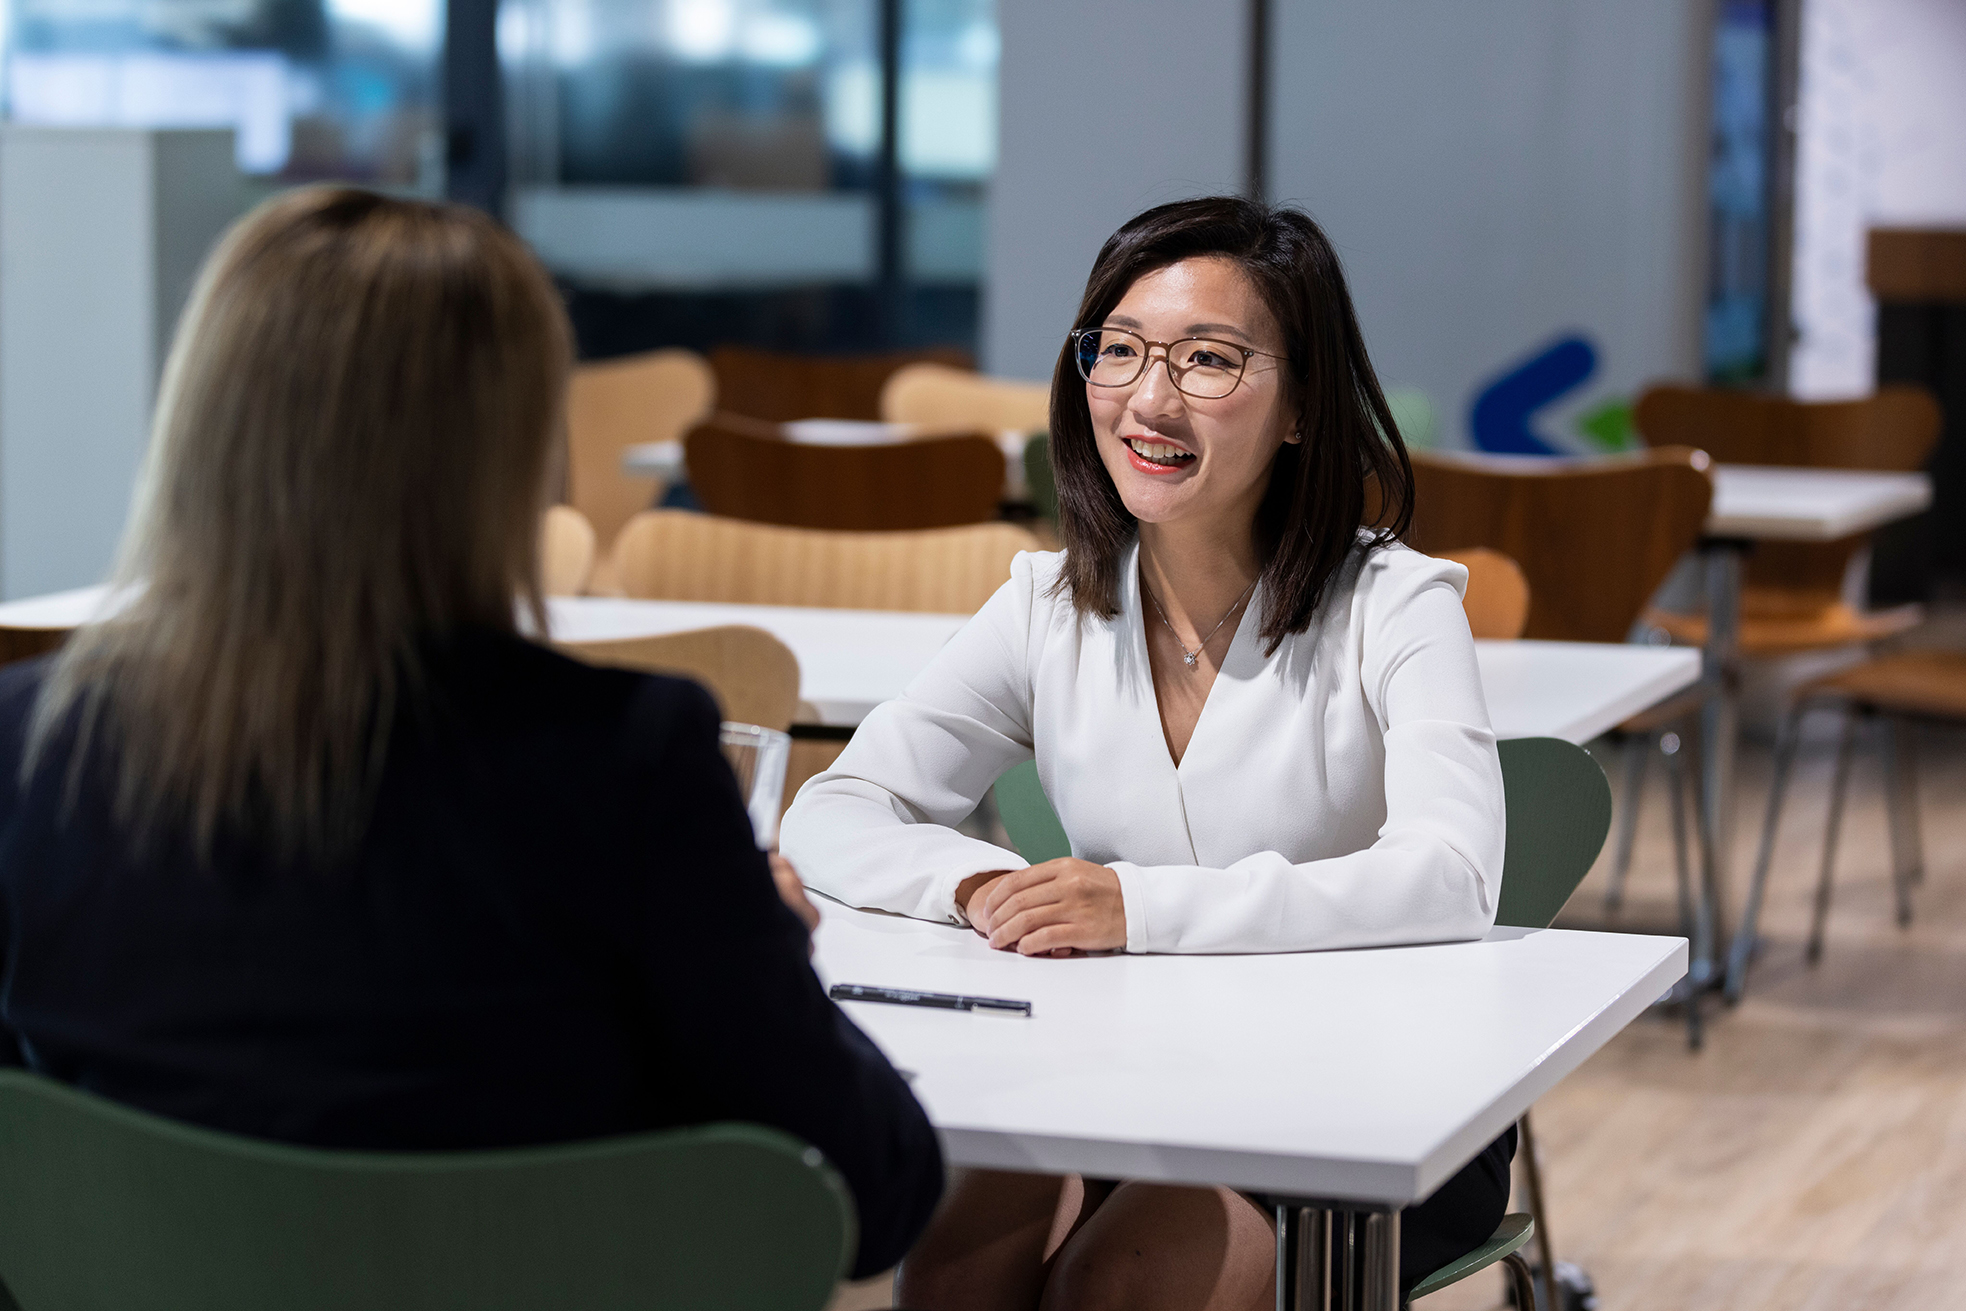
(967, 890)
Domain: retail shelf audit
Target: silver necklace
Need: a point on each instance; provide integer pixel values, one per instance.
(1191, 656)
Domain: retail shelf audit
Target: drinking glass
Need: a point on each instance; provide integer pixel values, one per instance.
(758, 757)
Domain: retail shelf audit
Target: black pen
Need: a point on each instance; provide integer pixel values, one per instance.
(947, 1001)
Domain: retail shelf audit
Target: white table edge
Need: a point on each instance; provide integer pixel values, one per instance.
(1578, 1046)
(1361, 1183)
(1666, 683)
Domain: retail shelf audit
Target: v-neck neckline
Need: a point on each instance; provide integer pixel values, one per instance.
(1139, 606)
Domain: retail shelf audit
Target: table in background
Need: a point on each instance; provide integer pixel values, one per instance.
(852, 660)
(1755, 503)
(1354, 1081)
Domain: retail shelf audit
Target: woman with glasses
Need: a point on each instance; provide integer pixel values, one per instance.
(1258, 717)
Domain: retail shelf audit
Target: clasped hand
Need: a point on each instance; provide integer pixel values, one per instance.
(1053, 908)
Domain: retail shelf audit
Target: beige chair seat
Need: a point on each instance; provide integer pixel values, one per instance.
(1926, 684)
(1779, 629)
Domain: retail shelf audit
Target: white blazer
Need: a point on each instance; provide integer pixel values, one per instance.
(1344, 792)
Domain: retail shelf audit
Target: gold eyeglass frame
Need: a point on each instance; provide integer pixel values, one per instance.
(1174, 374)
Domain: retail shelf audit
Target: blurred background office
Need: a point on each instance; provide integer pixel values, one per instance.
(803, 242)
(1544, 204)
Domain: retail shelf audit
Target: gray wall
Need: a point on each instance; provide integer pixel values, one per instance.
(1105, 109)
(1495, 174)
(101, 232)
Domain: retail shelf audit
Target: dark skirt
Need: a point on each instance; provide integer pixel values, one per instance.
(1459, 1217)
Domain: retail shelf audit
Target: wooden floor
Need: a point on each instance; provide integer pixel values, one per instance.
(1813, 1156)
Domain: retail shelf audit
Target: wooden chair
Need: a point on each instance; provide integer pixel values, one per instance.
(753, 675)
(566, 551)
(933, 483)
(1594, 538)
(957, 400)
(615, 404)
(1792, 592)
(1896, 691)
(1497, 599)
(27, 643)
(674, 555)
(778, 386)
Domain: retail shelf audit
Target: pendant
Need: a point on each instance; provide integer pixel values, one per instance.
(1191, 658)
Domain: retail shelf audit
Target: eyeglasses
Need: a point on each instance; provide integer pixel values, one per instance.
(1199, 366)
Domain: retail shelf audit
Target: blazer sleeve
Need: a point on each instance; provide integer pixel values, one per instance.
(1434, 874)
(724, 969)
(878, 828)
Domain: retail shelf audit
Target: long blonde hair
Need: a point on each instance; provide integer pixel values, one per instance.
(349, 460)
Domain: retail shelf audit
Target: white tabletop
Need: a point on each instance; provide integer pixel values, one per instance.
(1810, 505)
(852, 660)
(1360, 1076)
(1577, 690)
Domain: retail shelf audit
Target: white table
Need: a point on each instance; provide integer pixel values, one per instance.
(1352, 1081)
(852, 660)
(1810, 505)
(1763, 503)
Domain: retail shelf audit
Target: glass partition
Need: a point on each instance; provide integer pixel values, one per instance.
(314, 89)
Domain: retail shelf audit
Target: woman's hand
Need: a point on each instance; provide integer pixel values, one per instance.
(1057, 907)
(793, 893)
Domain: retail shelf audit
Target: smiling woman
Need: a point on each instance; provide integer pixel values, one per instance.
(1257, 715)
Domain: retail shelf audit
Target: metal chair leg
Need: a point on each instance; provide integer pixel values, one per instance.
(1693, 919)
(1901, 803)
(1839, 784)
(1742, 947)
(1638, 749)
(1533, 1177)
(1525, 1287)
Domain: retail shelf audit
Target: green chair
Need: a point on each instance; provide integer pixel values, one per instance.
(1559, 809)
(110, 1208)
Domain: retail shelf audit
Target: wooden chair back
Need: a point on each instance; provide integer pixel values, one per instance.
(779, 386)
(1892, 430)
(1594, 538)
(27, 643)
(957, 400)
(566, 551)
(615, 404)
(936, 482)
(673, 555)
(753, 675)
(1497, 599)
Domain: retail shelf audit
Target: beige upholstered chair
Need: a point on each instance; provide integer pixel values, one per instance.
(1497, 599)
(677, 556)
(753, 675)
(957, 400)
(566, 551)
(615, 404)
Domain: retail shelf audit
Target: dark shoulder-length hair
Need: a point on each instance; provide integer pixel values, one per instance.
(1349, 472)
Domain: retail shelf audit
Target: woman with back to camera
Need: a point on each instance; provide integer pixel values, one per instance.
(309, 844)
(1258, 717)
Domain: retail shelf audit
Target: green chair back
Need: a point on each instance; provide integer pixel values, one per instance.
(1038, 477)
(109, 1209)
(1028, 817)
(1559, 809)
